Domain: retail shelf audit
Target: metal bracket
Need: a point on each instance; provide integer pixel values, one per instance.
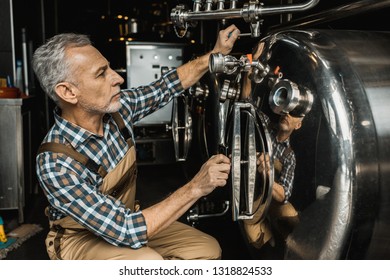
(181, 129)
(194, 215)
(240, 160)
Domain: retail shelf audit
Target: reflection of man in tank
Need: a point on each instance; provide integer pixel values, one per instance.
(282, 216)
(284, 157)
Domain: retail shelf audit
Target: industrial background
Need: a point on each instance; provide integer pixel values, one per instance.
(124, 29)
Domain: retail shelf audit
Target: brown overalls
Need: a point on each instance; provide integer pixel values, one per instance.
(67, 239)
(281, 218)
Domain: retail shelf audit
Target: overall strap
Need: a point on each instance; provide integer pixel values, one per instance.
(122, 127)
(287, 151)
(72, 153)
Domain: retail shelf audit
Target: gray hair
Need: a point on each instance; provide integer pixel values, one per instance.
(50, 63)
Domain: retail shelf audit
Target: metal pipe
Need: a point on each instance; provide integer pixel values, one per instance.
(258, 10)
(220, 5)
(334, 14)
(283, 9)
(197, 5)
(233, 4)
(209, 5)
(25, 63)
(208, 15)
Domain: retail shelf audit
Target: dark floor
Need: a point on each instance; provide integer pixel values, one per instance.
(154, 182)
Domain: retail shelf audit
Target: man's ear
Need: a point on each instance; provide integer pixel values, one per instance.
(298, 125)
(67, 92)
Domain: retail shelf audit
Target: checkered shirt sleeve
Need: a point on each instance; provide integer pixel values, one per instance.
(142, 101)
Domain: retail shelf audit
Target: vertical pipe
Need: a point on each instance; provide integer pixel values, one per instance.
(25, 62)
(221, 5)
(285, 17)
(12, 40)
(197, 4)
(209, 5)
(46, 98)
(43, 21)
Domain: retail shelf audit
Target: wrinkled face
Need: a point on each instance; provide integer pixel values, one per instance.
(288, 123)
(97, 85)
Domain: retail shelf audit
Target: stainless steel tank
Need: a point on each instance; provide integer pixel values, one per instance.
(342, 178)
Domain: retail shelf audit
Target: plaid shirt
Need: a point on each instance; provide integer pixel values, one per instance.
(288, 161)
(72, 189)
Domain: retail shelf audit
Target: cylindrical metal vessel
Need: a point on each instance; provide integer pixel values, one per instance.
(344, 144)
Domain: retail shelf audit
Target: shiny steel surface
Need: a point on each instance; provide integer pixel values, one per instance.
(246, 138)
(181, 128)
(288, 98)
(345, 142)
(348, 10)
(220, 63)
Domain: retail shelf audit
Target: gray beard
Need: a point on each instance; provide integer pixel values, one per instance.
(111, 108)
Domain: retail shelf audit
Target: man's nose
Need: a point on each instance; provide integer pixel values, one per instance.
(284, 115)
(117, 79)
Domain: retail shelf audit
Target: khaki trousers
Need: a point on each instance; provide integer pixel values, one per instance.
(178, 241)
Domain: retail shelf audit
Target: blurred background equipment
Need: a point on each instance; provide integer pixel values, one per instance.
(160, 136)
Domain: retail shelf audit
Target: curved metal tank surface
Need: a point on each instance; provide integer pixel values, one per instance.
(342, 181)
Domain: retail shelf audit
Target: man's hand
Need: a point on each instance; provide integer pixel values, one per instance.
(193, 70)
(226, 39)
(263, 164)
(213, 173)
(264, 167)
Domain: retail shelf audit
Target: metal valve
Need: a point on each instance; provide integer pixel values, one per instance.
(286, 97)
(228, 64)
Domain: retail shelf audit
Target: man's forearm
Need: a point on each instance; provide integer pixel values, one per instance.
(213, 173)
(193, 70)
(161, 215)
(278, 192)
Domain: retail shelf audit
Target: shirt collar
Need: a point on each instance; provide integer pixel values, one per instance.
(74, 133)
(285, 143)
